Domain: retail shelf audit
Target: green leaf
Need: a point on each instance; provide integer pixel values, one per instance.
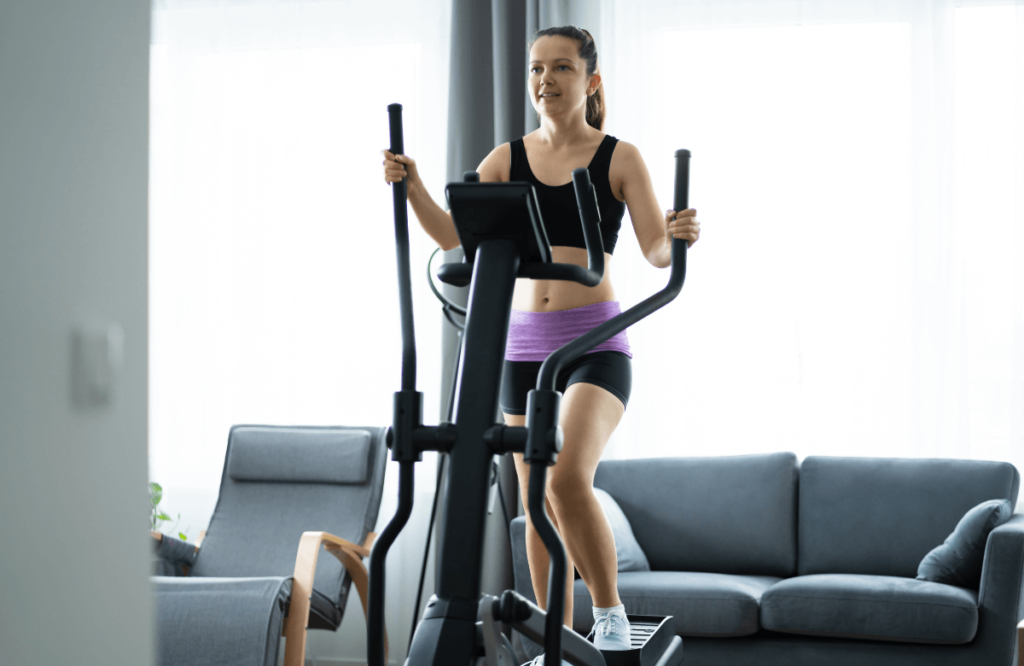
(155, 487)
(163, 516)
(181, 535)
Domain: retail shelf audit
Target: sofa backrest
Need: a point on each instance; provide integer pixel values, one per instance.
(880, 516)
(734, 514)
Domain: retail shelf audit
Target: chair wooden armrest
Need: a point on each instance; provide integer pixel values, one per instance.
(351, 556)
(1020, 644)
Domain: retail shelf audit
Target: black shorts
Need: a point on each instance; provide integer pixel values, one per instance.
(611, 370)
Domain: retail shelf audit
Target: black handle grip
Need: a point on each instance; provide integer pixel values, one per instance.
(395, 123)
(681, 201)
(681, 198)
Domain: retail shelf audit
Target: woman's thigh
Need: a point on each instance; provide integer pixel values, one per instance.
(589, 415)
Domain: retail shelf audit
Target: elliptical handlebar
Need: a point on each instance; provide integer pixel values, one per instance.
(554, 362)
(399, 193)
(590, 217)
(407, 414)
(544, 439)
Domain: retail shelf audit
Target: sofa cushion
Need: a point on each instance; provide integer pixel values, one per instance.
(703, 604)
(957, 560)
(733, 514)
(880, 516)
(628, 552)
(881, 608)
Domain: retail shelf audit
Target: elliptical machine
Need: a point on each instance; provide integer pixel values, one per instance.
(503, 238)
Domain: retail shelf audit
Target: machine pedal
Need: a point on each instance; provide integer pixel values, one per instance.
(651, 637)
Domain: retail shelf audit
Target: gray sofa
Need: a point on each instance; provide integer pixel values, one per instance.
(764, 561)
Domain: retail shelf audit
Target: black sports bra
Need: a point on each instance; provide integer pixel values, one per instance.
(558, 204)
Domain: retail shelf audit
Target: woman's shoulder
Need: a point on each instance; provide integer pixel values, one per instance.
(497, 165)
(625, 155)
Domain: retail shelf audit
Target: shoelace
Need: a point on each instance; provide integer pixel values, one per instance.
(606, 625)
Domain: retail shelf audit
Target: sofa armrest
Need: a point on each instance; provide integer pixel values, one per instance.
(1001, 596)
(351, 556)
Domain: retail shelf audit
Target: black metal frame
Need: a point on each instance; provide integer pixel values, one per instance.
(447, 634)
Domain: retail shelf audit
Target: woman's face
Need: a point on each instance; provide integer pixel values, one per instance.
(558, 77)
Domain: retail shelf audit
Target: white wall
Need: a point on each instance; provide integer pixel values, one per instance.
(73, 185)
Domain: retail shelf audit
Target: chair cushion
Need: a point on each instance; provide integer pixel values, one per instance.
(327, 455)
(628, 552)
(730, 514)
(881, 516)
(880, 608)
(229, 621)
(703, 604)
(957, 561)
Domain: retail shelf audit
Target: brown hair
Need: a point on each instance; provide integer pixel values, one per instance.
(588, 52)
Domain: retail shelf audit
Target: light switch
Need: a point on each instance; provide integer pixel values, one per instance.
(97, 355)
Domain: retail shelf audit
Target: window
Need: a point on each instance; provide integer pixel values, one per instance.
(859, 285)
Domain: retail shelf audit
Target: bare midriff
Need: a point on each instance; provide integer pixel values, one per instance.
(553, 295)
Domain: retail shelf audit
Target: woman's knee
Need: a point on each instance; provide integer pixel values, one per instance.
(569, 486)
(547, 505)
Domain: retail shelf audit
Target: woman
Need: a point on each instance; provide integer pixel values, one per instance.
(565, 88)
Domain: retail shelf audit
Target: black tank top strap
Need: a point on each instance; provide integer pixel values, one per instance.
(603, 157)
(600, 167)
(518, 170)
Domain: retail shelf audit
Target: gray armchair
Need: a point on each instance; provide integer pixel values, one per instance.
(286, 492)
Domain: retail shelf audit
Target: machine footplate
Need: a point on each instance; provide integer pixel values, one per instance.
(653, 645)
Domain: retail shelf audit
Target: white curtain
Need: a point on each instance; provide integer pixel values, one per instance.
(272, 265)
(858, 169)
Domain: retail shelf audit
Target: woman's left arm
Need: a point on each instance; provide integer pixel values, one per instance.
(654, 230)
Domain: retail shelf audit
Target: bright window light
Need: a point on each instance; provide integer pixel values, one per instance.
(272, 266)
(859, 285)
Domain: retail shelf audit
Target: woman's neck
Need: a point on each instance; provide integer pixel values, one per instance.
(559, 132)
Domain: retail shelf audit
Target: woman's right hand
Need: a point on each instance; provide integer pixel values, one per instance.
(397, 167)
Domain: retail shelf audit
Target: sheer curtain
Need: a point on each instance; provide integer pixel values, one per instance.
(859, 171)
(272, 268)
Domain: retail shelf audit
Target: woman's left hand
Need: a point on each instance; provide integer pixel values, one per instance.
(683, 224)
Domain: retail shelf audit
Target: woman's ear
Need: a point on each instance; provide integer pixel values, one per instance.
(595, 83)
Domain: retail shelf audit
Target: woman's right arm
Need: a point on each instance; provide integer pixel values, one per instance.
(436, 221)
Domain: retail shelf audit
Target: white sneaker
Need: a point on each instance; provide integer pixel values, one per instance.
(611, 632)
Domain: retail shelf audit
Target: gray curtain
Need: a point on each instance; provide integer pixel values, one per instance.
(487, 106)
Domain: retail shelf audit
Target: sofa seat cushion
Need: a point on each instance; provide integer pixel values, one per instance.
(881, 608)
(703, 604)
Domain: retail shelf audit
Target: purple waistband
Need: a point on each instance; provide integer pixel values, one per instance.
(532, 336)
